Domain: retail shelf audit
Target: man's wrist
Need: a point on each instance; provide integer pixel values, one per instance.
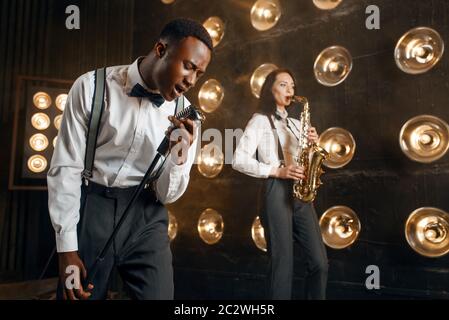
(66, 241)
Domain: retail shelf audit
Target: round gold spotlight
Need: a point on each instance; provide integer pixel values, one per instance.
(167, 1)
(210, 95)
(41, 100)
(424, 138)
(38, 142)
(265, 14)
(418, 50)
(61, 101)
(216, 29)
(211, 161)
(340, 227)
(340, 145)
(172, 226)
(326, 4)
(37, 163)
(210, 226)
(332, 66)
(57, 121)
(427, 231)
(258, 77)
(40, 121)
(258, 234)
(54, 141)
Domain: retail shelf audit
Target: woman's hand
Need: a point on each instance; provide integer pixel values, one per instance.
(290, 172)
(312, 135)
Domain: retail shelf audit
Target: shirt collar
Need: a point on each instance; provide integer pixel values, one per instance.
(282, 114)
(134, 77)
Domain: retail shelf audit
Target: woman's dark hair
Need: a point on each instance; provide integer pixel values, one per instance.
(267, 104)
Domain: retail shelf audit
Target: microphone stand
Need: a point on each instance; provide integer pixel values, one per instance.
(162, 151)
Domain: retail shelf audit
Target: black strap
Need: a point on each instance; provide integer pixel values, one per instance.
(94, 121)
(276, 137)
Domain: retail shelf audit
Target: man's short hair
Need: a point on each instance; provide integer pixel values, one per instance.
(179, 29)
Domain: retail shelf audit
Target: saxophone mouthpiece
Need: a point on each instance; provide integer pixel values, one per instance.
(299, 99)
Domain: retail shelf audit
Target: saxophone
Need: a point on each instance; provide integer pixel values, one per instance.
(310, 157)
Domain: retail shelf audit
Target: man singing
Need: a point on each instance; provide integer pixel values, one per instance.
(139, 103)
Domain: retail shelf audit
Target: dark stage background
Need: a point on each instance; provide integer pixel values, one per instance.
(380, 184)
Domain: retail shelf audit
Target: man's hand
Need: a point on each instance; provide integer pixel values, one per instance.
(70, 265)
(183, 133)
(312, 135)
(290, 172)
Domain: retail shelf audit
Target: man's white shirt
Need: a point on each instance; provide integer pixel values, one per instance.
(131, 129)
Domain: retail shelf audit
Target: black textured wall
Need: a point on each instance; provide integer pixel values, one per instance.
(34, 41)
(380, 184)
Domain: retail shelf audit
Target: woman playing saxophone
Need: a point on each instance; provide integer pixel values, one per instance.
(285, 218)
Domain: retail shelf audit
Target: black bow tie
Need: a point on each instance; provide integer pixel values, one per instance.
(139, 91)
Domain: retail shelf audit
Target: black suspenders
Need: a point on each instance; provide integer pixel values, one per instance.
(94, 121)
(276, 137)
